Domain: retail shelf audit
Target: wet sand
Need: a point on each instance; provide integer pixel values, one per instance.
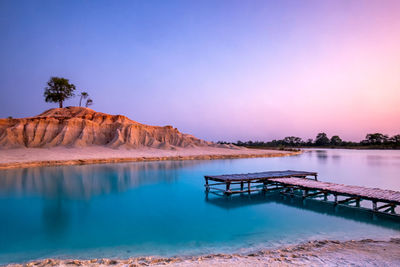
(33, 157)
(314, 253)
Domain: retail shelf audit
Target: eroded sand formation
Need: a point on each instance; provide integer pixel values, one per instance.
(75, 135)
(82, 127)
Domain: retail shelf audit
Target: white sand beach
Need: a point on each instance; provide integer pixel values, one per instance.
(365, 252)
(30, 157)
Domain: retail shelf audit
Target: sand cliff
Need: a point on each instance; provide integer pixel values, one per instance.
(82, 127)
(75, 135)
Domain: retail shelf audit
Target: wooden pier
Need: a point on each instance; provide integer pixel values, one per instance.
(246, 180)
(298, 183)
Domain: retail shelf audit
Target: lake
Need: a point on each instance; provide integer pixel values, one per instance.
(161, 208)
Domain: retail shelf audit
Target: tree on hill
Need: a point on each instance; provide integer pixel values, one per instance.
(83, 95)
(89, 102)
(321, 139)
(58, 90)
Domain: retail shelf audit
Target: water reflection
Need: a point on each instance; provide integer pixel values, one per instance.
(322, 155)
(377, 160)
(326, 208)
(55, 217)
(86, 181)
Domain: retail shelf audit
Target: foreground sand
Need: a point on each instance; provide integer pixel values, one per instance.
(31, 157)
(315, 253)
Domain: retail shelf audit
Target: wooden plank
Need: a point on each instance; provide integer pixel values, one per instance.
(259, 175)
(347, 200)
(216, 188)
(244, 191)
(374, 194)
(384, 206)
(315, 194)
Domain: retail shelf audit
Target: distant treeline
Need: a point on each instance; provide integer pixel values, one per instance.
(375, 140)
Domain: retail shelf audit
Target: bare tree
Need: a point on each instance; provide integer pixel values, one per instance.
(83, 95)
(89, 102)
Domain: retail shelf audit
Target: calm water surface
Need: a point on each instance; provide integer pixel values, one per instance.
(160, 208)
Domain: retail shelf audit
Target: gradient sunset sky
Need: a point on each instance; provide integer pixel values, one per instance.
(220, 70)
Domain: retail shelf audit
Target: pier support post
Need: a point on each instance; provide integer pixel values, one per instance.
(248, 186)
(207, 186)
(228, 188)
(265, 186)
(336, 201)
(241, 186)
(374, 205)
(358, 202)
(325, 196)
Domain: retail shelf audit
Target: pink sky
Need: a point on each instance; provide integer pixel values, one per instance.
(341, 76)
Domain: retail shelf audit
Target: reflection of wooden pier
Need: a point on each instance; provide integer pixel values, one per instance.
(295, 182)
(310, 204)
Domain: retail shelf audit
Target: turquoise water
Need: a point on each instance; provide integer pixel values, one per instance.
(160, 208)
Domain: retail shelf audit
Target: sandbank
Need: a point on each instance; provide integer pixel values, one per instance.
(33, 157)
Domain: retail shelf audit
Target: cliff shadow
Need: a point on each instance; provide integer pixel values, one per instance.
(86, 181)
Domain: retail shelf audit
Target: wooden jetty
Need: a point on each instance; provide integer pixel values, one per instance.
(230, 180)
(295, 182)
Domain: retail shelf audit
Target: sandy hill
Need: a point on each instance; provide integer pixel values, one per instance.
(81, 127)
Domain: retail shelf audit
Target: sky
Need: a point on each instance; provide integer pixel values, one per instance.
(220, 70)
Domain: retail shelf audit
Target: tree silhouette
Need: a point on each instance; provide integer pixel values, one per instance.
(83, 95)
(292, 140)
(321, 139)
(336, 140)
(58, 90)
(395, 139)
(376, 138)
(89, 102)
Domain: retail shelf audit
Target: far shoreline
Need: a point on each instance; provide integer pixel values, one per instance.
(68, 156)
(323, 147)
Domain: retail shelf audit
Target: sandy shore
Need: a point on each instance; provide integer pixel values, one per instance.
(32, 157)
(314, 253)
